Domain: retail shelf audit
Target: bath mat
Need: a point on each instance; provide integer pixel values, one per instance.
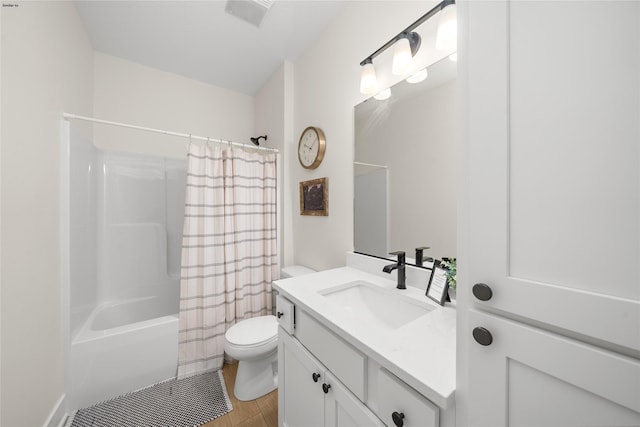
(188, 402)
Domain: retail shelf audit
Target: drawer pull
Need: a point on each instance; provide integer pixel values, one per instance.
(315, 377)
(326, 387)
(398, 418)
(280, 314)
(482, 336)
(482, 291)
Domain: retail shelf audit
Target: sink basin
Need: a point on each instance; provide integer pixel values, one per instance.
(375, 305)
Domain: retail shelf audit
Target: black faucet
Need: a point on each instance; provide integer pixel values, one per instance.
(400, 265)
(419, 256)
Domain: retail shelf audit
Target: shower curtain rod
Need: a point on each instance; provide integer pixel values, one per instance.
(69, 116)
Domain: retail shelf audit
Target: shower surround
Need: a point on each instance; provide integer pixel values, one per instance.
(125, 236)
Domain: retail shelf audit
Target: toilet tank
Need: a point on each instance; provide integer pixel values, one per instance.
(294, 271)
(287, 272)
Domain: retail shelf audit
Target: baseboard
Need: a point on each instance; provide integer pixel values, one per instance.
(58, 415)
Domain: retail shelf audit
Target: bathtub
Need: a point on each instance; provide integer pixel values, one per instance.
(123, 346)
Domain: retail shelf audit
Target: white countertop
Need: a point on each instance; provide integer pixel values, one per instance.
(422, 352)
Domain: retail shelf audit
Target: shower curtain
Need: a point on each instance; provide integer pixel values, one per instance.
(229, 249)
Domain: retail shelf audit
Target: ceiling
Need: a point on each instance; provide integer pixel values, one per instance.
(199, 40)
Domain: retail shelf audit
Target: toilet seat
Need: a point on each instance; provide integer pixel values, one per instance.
(253, 338)
(254, 332)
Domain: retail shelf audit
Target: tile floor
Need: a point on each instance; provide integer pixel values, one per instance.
(262, 412)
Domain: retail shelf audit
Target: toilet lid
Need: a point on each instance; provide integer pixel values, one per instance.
(253, 331)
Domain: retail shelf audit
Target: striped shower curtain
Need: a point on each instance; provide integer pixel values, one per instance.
(229, 249)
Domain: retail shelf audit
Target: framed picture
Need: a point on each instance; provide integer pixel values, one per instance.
(314, 197)
(438, 284)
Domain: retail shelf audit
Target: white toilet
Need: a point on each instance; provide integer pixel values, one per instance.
(254, 343)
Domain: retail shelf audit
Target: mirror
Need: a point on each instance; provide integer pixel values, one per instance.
(405, 193)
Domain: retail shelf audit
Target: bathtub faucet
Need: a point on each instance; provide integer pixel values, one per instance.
(400, 266)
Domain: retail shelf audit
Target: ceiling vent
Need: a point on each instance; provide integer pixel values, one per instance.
(251, 11)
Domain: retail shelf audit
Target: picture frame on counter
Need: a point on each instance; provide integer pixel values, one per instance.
(438, 286)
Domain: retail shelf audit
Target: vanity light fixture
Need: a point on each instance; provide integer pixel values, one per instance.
(418, 76)
(447, 26)
(404, 50)
(383, 94)
(407, 43)
(368, 80)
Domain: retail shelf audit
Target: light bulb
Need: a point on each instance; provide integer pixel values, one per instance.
(401, 57)
(383, 94)
(368, 80)
(418, 76)
(447, 28)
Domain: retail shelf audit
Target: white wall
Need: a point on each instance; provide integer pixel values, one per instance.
(47, 63)
(132, 93)
(274, 117)
(327, 83)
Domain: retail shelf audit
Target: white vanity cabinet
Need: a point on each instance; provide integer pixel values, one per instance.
(325, 381)
(398, 402)
(309, 395)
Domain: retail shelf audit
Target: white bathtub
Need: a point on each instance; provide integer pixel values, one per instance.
(123, 346)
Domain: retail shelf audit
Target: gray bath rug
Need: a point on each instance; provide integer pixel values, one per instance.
(188, 402)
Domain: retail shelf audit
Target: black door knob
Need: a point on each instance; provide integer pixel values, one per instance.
(482, 291)
(326, 387)
(398, 418)
(482, 336)
(315, 377)
(280, 314)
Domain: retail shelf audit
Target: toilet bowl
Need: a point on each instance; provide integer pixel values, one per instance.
(254, 344)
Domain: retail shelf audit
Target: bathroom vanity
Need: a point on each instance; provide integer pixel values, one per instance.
(355, 351)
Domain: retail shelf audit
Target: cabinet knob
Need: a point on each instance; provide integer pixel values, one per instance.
(482, 291)
(280, 314)
(398, 418)
(482, 336)
(326, 387)
(315, 377)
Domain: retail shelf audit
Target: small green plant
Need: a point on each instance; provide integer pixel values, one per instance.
(452, 268)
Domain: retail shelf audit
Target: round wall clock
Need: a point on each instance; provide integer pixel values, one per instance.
(311, 147)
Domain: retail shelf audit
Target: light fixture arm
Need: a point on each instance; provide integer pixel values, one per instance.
(414, 41)
(407, 32)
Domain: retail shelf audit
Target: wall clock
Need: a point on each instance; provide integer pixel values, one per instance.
(311, 147)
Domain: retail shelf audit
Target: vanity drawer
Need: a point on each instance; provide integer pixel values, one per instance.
(396, 396)
(285, 312)
(346, 363)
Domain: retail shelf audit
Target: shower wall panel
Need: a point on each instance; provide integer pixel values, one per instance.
(83, 229)
(126, 227)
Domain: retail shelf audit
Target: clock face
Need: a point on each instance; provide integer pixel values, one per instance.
(311, 148)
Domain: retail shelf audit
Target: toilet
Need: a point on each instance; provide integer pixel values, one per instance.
(254, 344)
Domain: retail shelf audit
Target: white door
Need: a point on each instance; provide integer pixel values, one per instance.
(550, 214)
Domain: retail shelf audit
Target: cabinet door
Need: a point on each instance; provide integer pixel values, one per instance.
(551, 192)
(343, 409)
(397, 399)
(529, 377)
(300, 396)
